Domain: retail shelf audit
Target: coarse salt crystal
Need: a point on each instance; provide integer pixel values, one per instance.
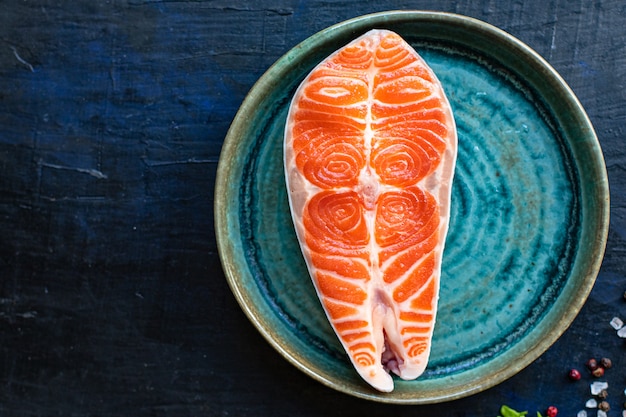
(617, 323)
(622, 332)
(624, 413)
(597, 387)
(581, 413)
(601, 413)
(591, 403)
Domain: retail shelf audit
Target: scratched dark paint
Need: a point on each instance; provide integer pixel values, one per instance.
(112, 115)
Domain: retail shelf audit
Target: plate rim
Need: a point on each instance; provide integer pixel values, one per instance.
(229, 250)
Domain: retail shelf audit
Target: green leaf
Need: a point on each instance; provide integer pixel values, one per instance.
(506, 411)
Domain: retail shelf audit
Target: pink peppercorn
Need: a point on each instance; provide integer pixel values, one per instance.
(551, 411)
(574, 374)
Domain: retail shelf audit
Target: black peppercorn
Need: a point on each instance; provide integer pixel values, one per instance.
(604, 406)
(592, 364)
(603, 395)
(606, 363)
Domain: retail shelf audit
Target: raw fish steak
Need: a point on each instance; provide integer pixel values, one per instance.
(370, 149)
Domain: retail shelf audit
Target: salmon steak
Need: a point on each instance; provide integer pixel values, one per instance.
(369, 152)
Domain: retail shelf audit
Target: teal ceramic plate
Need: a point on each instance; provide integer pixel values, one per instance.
(528, 224)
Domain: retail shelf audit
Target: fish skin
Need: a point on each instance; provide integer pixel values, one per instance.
(369, 152)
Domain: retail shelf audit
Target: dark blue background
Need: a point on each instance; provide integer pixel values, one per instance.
(112, 116)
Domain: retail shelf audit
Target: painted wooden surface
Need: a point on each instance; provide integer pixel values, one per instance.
(112, 116)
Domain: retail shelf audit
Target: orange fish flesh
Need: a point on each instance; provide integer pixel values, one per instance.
(370, 149)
